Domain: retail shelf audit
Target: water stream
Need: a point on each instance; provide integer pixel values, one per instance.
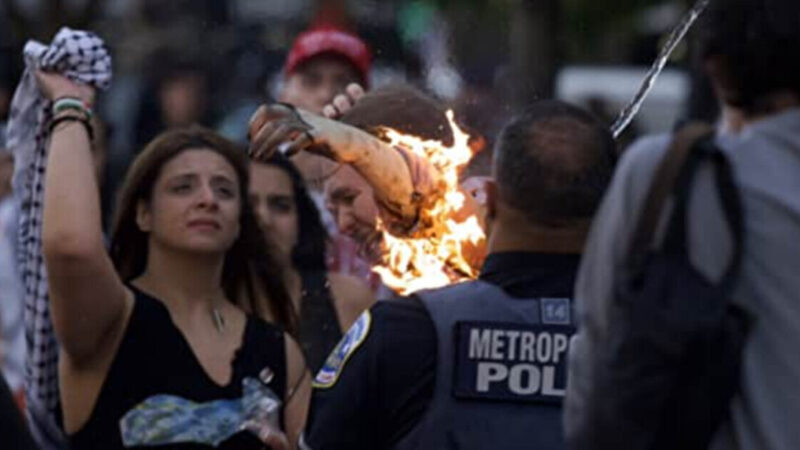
(675, 37)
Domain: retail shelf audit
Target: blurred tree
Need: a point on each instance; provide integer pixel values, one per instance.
(602, 31)
(331, 13)
(538, 36)
(535, 49)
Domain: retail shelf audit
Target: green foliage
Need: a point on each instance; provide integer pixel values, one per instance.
(590, 23)
(588, 26)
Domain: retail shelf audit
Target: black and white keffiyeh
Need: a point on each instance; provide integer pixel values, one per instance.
(82, 57)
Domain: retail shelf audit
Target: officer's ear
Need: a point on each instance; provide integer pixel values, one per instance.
(491, 199)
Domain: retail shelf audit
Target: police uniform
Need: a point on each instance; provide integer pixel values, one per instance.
(474, 365)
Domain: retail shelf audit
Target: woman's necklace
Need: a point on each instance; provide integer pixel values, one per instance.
(219, 320)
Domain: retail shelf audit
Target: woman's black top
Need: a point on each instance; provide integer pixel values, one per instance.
(155, 358)
(14, 431)
(318, 331)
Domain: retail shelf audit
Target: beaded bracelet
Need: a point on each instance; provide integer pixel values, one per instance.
(71, 103)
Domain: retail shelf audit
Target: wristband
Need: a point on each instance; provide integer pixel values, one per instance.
(67, 103)
(299, 118)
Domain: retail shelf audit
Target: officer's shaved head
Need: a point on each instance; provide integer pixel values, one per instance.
(553, 163)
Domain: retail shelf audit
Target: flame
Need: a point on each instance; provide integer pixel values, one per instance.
(433, 254)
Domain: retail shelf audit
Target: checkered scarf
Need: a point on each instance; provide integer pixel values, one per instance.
(82, 57)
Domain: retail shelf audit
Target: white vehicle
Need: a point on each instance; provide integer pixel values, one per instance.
(616, 86)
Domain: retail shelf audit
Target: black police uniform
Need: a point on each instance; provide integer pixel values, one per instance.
(376, 387)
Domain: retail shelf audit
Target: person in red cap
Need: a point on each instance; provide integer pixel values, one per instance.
(322, 63)
(326, 61)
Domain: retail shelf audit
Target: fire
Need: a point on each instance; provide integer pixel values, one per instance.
(433, 254)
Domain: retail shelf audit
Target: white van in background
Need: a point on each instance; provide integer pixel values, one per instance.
(615, 86)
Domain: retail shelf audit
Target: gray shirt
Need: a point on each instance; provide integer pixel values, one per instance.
(766, 162)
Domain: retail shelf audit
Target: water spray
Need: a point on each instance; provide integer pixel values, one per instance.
(675, 37)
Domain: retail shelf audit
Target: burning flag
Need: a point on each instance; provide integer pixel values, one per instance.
(437, 252)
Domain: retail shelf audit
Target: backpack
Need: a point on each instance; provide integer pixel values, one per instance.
(674, 355)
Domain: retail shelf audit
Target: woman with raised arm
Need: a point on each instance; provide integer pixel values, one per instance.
(164, 340)
(327, 303)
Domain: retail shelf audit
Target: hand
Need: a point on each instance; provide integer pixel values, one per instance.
(274, 439)
(6, 172)
(278, 126)
(55, 86)
(476, 187)
(343, 102)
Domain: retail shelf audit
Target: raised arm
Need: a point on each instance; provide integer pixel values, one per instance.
(275, 127)
(87, 298)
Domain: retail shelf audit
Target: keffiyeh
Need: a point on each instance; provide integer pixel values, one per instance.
(82, 57)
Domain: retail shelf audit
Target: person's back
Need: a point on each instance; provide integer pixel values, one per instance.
(506, 367)
(766, 161)
(765, 157)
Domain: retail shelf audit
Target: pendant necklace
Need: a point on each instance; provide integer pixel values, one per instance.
(219, 321)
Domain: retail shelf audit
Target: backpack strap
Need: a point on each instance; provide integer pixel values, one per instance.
(661, 187)
(675, 240)
(734, 212)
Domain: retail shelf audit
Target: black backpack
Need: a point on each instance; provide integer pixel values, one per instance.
(676, 340)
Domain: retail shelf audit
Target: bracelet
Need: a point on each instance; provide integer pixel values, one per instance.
(71, 103)
(77, 114)
(72, 118)
(299, 118)
(294, 111)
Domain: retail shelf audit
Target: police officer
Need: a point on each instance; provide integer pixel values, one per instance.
(480, 364)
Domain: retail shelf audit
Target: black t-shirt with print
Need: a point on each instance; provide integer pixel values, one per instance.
(155, 359)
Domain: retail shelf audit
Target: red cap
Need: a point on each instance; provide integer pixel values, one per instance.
(330, 40)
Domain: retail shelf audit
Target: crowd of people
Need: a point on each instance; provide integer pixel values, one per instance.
(639, 298)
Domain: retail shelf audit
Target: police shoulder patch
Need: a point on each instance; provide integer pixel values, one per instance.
(329, 373)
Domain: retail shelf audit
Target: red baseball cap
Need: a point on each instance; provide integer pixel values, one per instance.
(317, 41)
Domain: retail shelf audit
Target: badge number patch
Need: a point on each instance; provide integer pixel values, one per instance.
(329, 373)
(555, 311)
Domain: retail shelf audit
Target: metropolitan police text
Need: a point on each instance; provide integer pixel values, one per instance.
(523, 348)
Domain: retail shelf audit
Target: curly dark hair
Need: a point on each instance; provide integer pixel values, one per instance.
(751, 49)
(312, 238)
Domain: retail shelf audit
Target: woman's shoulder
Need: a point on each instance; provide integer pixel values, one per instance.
(273, 347)
(639, 161)
(264, 347)
(351, 296)
(264, 331)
